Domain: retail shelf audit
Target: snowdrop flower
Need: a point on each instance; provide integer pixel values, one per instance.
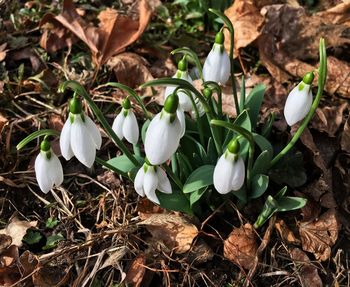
(164, 133)
(217, 65)
(181, 73)
(125, 124)
(299, 101)
(229, 172)
(80, 136)
(149, 179)
(48, 168)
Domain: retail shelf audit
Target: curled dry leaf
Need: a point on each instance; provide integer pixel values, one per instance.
(319, 235)
(306, 271)
(114, 33)
(17, 229)
(147, 208)
(3, 51)
(286, 234)
(48, 276)
(136, 272)
(345, 137)
(174, 231)
(241, 246)
(9, 260)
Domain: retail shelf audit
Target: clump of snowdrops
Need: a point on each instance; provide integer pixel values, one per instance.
(190, 156)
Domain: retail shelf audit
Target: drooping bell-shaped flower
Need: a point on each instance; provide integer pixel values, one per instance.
(299, 101)
(229, 172)
(150, 178)
(48, 168)
(80, 136)
(181, 73)
(164, 133)
(125, 124)
(217, 65)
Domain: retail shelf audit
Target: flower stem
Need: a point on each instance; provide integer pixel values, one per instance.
(34, 135)
(173, 176)
(322, 75)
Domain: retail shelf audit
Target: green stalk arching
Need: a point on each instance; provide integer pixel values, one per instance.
(75, 86)
(188, 52)
(321, 82)
(35, 135)
(217, 89)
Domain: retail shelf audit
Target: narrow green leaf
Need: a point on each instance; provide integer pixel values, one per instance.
(123, 163)
(53, 240)
(263, 143)
(176, 201)
(259, 185)
(262, 163)
(201, 177)
(35, 135)
(287, 203)
(253, 103)
(144, 129)
(281, 193)
(196, 195)
(243, 120)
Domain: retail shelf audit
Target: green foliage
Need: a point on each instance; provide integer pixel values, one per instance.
(53, 240)
(32, 237)
(51, 222)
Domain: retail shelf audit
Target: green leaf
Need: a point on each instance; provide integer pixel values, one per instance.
(194, 151)
(266, 129)
(32, 237)
(123, 163)
(243, 120)
(253, 103)
(259, 184)
(196, 195)
(281, 193)
(241, 194)
(288, 203)
(262, 163)
(53, 240)
(201, 177)
(176, 201)
(263, 143)
(211, 152)
(144, 129)
(184, 165)
(51, 222)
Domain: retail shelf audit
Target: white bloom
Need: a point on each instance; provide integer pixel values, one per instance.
(180, 114)
(229, 173)
(217, 65)
(48, 170)
(298, 103)
(80, 137)
(184, 100)
(162, 137)
(126, 126)
(149, 179)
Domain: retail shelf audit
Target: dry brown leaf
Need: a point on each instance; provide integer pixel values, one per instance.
(48, 276)
(172, 230)
(307, 272)
(5, 241)
(9, 272)
(3, 121)
(28, 54)
(130, 69)
(147, 208)
(17, 229)
(345, 137)
(241, 246)
(114, 33)
(286, 234)
(246, 20)
(136, 271)
(3, 52)
(318, 236)
(200, 253)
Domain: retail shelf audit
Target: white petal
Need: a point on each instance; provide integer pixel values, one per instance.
(138, 183)
(82, 143)
(238, 174)
(163, 181)
(131, 128)
(298, 104)
(217, 65)
(162, 138)
(223, 174)
(150, 183)
(181, 116)
(118, 125)
(94, 131)
(55, 171)
(41, 167)
(65, 147)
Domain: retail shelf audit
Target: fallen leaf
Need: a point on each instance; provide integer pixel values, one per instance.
(286, 234)
(3, 121)
(200, 253)
(9, 272)
(306, 271)
(17, 229)
(5, 241)
(319, 235)
(136, 271)
(114, 257)
(241, 246)
(147, 208)
(3, 52)
(114, 33)
(28, 54)
(48, 276)
(173, 230)
(345, 136)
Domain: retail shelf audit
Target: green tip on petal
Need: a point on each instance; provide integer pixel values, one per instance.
(182, 65)
(233, 146)
(308, 78)
(45, 145)
(207, 93)
(126, 104)
(75, 106)
(171, 103)
(219, 38)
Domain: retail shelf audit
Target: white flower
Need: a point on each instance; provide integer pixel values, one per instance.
(184, 100)
(162, 137)
(48, 170)
(298, 103)
(80, 137)
(180, 114)
(217, 65)
(229, 173)
(125, 125)
(149, 179)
